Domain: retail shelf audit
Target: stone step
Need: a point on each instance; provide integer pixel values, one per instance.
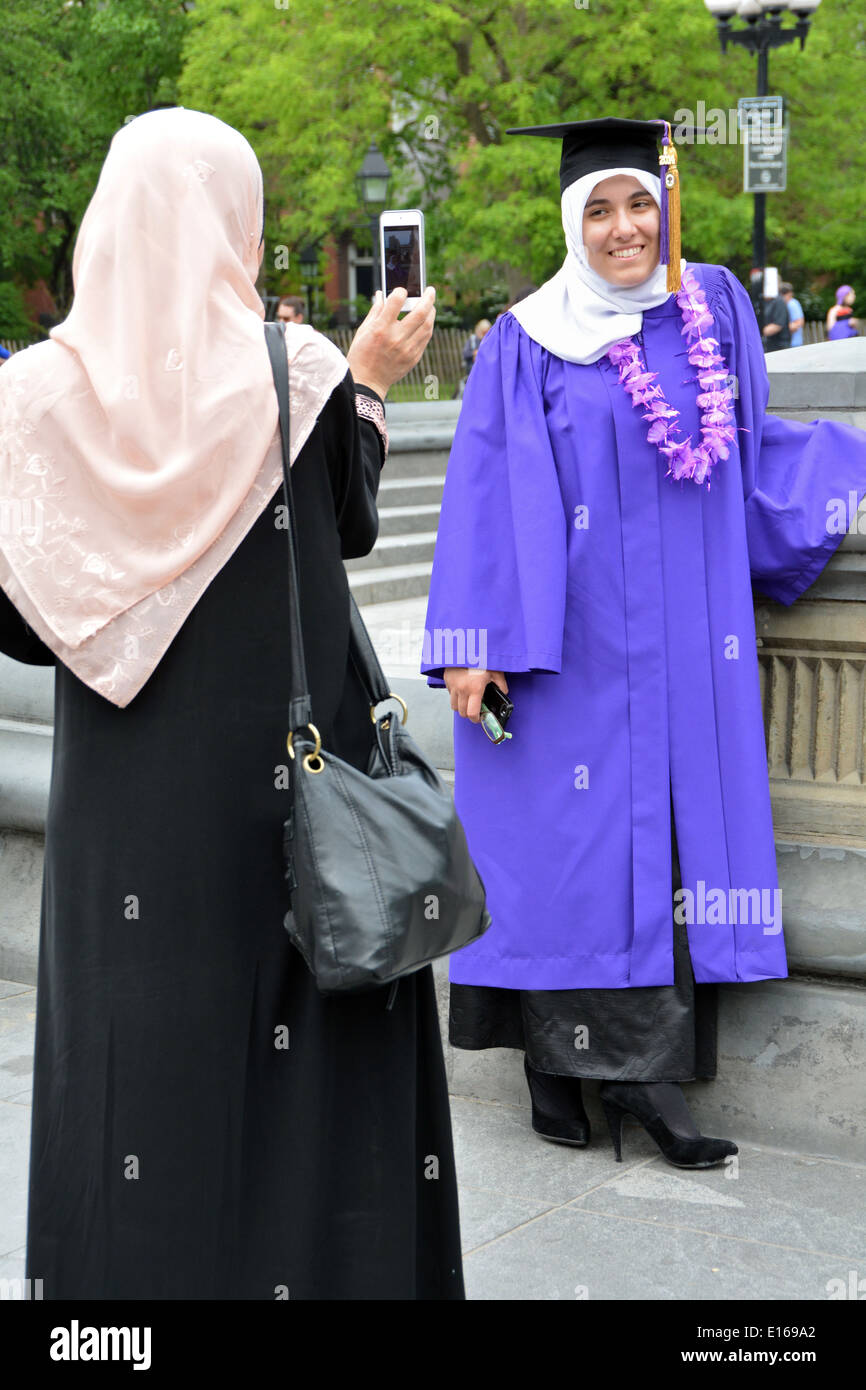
(424, 490)
(388, 582)
(401, 550)
(26, 692)
(409, 520)
(423, 415)
(25, 757)
(409, 463)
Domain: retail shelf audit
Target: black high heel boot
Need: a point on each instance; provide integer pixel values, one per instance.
(555, 1093)
(661, 1108)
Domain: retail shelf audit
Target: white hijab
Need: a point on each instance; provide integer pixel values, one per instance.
(577, 314)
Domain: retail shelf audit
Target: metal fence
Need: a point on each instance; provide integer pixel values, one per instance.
(441, 367)
(814, 331)
(439, 371)
(435, 377)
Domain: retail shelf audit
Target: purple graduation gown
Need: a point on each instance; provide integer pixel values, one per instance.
(619, 605)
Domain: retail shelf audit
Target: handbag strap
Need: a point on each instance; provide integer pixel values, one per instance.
(363, 654)
(361, 649)
(300, 712)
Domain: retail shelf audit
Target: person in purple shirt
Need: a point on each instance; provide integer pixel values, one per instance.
(840, 320)
(614, 489)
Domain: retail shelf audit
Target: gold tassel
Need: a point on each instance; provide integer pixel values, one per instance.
(674, 252)
(671, 175)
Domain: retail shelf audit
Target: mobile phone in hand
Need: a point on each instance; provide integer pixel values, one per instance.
(496, 710)
(403, 261)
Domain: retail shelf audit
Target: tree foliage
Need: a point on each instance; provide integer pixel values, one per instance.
(71, 71)
(436, 83)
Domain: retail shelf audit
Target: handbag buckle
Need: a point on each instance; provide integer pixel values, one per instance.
(309, 758)
(391, 696)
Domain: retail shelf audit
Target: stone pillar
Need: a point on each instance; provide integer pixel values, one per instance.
(813, 679)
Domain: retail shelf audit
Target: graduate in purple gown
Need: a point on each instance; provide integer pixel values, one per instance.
(614, 489)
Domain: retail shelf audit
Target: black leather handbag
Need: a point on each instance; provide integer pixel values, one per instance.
(379, 871)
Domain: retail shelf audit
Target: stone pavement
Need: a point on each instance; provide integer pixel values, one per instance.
(397, 632)
(541, 1221)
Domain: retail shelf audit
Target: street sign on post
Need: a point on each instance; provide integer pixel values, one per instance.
(765, 144)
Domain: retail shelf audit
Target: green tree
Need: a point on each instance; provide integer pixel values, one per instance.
(71, 71)
(310, 82)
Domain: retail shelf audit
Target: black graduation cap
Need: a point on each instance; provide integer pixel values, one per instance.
(614, 142)
(610, 143)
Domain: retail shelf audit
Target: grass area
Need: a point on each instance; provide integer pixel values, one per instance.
(414, 391)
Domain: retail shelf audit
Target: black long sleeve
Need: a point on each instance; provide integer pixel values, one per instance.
(355, 455)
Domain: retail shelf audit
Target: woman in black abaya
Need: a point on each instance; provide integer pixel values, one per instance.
(205, 1124)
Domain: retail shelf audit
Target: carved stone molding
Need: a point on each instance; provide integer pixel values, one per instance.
(812, 655)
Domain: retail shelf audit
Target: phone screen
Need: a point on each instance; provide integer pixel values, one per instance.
(402, 250)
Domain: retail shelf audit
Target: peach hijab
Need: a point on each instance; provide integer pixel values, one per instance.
(140, 442)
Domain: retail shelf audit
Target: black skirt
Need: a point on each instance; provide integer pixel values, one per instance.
(656, 1033)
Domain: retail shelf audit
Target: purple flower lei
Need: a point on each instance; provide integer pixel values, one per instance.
(716, 398)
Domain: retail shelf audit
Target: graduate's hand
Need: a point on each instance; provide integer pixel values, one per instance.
(466, 688)
(385, 346)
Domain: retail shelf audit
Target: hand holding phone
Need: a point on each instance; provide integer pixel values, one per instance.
(386, 346)
(479, 695)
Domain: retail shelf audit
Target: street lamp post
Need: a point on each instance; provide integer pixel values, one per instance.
(372, 180)
(763, 31)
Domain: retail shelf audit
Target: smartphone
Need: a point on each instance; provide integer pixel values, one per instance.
(496, 710)
(401, 245)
